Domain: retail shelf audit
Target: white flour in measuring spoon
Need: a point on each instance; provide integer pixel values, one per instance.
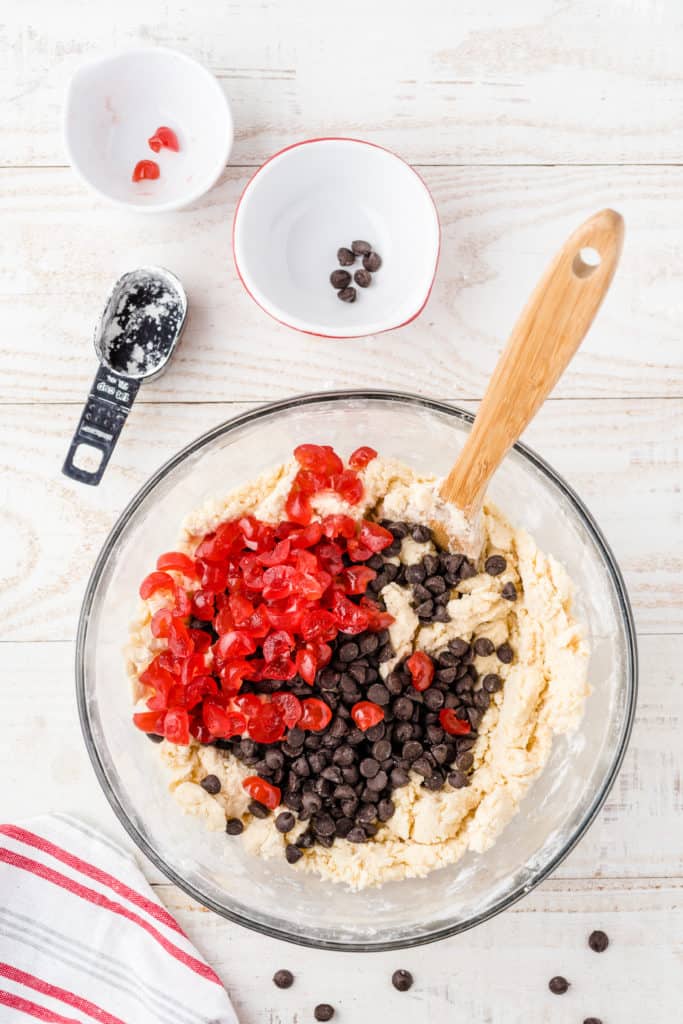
(142, 326)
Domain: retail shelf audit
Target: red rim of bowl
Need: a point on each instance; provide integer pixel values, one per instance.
(318, 334)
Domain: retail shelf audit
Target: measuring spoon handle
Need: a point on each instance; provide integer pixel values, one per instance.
(109, 402)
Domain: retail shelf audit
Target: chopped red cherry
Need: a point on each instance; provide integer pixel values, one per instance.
(277, 645)
(374, 536)
(221, 723)
(155, 581)
(234, 644)
(289, 707)
(453, 725)
(164, 138)
(360, 458)
(177, 726)
(179, 562)
(366, 714)
(348, 486)
(149, 721)
(264, 792)
(179, 639)
(298, 508)
(319, 458)
(267, 725)
(316, 714)
(145, 170)
(421, 668)
(248, 704)
(355, 579)
(306, 664)
(161, 623)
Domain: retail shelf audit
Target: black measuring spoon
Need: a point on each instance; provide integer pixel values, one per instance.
(134, 341)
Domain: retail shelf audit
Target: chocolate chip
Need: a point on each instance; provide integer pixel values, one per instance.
(283, 979)
(459, 647)
(323, 824)
(425, 609)
(402, 980)
(482, 699)
(458, 780)
(211, 783)
(347, 294)
(360, 247)
(435, 584)
(495, 565)
(598, 941)
(558, 985)
(379, 694)
(483, 647)
(385, 809)
(381, 750)
(311, 802)
(433, 699)
(376, 732)
(509, 592)
(234, 827)
(505, 653)
(285, 821)
(258, 809)
(399, 778)
(305, 841)
(492, 683)
(464, 761)
(345, 257)
(373, 261)
(357, 835)
(466, 570)
(343, 826)
(363, 278)
(422, 766)
(340, 279)
(369, 767)
(154, 737)
(415, 574)
(592, 1020)
(348, 651)
(378, 782)
(296, 737)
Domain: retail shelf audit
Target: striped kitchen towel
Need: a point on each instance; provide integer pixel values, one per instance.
(83, 937)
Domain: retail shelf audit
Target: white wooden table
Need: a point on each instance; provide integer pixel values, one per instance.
(524, 118)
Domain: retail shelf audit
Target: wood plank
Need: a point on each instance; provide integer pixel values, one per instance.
(622, 457)
(496, 974)
(534, 82)
(61, 250)
(638, 833)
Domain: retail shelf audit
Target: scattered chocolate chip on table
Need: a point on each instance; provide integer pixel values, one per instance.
(323, 1012)
(598, 941)
(402, 980)
(558, 985)
(283, 979)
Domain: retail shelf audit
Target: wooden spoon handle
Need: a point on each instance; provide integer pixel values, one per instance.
(548, 333)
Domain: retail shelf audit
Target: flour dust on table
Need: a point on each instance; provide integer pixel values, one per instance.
(328, 684)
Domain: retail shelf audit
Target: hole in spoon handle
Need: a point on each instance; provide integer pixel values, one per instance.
(109, 402)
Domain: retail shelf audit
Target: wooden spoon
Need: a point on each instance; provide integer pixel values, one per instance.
(552, 326)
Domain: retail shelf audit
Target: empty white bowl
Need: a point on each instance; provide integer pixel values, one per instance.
(116, 103)
(315, 196)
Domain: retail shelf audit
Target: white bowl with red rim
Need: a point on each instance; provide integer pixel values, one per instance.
(316, 196)
(116, 103)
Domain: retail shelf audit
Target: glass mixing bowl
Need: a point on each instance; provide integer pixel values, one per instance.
(266, 894)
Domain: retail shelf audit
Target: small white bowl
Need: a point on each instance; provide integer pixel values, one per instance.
(315, 196)
(116, 103)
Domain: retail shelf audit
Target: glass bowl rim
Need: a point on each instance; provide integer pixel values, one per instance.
(141, 841)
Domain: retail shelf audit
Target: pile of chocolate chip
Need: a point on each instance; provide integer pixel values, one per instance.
(340, 780)
(341, 279)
